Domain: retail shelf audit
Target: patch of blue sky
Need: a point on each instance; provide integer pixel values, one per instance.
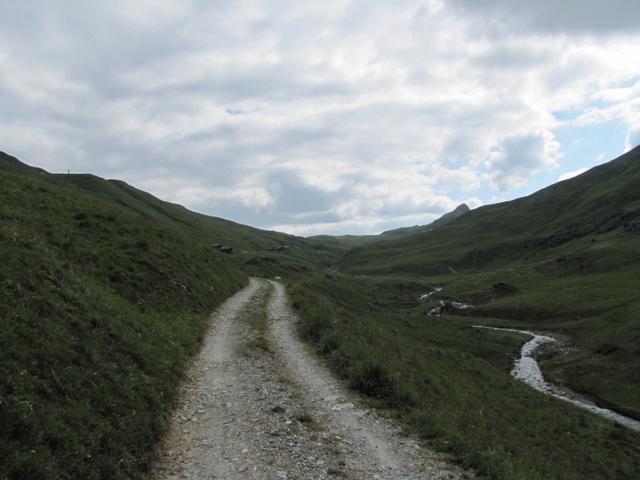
(589, 145)
(629, 82)
(581, 147)
(573, 113)
(567, 115)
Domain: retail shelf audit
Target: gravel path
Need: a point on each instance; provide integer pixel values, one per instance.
(255, 413)
(375, 450)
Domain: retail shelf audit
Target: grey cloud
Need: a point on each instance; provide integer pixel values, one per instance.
(293, 195)
(519, 156)
(584, 16)
(240, 111)
(230, 209)
(88, 41)
(513, 57)
(334, 114)
(390, 211)
(267, 82)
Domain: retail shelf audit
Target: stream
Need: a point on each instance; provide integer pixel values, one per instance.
(527, 370)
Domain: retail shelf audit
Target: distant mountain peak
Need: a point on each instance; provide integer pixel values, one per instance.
(439, 222)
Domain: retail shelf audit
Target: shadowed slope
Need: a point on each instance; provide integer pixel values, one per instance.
(102, 305)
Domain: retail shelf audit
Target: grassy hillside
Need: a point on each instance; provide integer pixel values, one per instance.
(563, 261)
(449, 382)
(251, 245)
(594, 203)
(343, 243)
(571, 254)
(102, 305)
(106, 292)
(398, 233)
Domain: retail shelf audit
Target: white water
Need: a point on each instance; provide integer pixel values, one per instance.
(527, 370)
(434, 311)
(462, 306)
(427, 295)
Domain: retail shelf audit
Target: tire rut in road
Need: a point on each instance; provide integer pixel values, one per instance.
(250, 413)
(374, 448)
(240, 417)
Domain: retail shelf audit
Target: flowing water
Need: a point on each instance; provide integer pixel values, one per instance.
(527, 370)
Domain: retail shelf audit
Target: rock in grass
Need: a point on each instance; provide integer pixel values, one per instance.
(504, 288)
(632, 226)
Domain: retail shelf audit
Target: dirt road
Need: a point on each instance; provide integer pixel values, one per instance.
(256, 405)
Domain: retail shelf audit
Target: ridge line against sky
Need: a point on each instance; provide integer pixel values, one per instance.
(321, 117)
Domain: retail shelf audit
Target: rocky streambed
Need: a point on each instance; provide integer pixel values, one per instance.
(527, 370)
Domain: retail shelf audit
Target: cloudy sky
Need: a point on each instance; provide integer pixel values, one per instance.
(321, 117)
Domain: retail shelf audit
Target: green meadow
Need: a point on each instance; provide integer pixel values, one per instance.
(106, 292)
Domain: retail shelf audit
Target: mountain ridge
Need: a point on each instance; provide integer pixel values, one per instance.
(437, 223)
(99, 276)
(349, 240)
(597, 201)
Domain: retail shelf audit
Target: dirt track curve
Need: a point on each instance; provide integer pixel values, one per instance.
(256, 413)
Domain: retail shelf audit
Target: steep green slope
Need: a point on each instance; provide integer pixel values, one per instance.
(564, 261)
(571, 253)
(251, 245)
(343, 243)
(106, 291)
(436, 224)
(599, 201)
(101, 307)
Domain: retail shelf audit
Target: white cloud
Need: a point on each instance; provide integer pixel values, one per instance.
(568, 175)
(518, 157)
(346, 114)
(633, 138)
(567, 16)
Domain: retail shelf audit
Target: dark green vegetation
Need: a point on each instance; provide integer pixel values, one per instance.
(572, 250)
(344, 242)
(567, 258)
(596, 203)
(450, 383)
(397, 233)
(106, 291)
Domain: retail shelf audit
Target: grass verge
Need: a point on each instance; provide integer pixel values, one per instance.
(450, 383)
(101, 307)
(259, 324)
